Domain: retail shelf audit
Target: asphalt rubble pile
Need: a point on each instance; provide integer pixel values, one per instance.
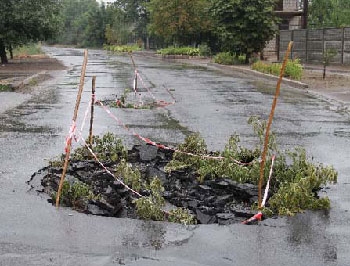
(222, 200)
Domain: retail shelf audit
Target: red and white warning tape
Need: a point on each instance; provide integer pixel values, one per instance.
(70, 135)
(159, 103)
(161, 146)
(258, 216)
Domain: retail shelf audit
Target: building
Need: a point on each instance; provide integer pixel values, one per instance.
(293, 15)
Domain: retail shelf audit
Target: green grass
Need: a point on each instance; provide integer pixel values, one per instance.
(5, 87)
(29, 49)
(227, 58)
(294, 69)
(190, 51)
(122, 48)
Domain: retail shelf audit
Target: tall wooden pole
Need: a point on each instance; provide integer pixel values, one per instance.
(69, 140)
(135, 78)
(266, 141)
(93, 88)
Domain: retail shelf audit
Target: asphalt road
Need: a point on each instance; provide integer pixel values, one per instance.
(212, 102)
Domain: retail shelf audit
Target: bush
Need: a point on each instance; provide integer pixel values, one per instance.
(190, 51)
(75, 195)
(204, 50)
(294, 69)
(295, 182)
(26, 50)
(227, 58)
(122, 48)
(109, 148)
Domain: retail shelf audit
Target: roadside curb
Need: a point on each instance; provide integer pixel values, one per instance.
(293, 83)
(248, 71)
(27, 81)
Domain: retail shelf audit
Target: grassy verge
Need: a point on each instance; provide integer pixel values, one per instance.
(27, 50)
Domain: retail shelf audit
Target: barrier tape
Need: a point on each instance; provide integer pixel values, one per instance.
(268, 182)
(161, 146)
(81, 138)
(159, 103)
(70, 135)
(258, 216)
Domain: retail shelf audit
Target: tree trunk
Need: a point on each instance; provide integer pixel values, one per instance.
(3, 53)
(11, 51)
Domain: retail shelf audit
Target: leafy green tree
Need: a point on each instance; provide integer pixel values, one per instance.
(329, 13)
(23, 21)
(244, 26)
(119, 27)
(180, 22)
(83, 23)
(126, 21)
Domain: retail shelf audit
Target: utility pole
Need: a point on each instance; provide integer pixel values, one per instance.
(305, 14)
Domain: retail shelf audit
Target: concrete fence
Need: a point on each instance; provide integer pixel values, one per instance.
(310, 45)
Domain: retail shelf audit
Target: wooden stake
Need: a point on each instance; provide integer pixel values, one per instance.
(69, 141)
(92, 108)
(135, 78)
(266, 141)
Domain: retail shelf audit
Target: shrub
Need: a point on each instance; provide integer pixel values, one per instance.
(74, 195)
(295, 182)
(204, 50)
(109, 148)
(294, 69)
(5, 87)
(26, 50)
(227, 58)
(190, 51)
(122, 48)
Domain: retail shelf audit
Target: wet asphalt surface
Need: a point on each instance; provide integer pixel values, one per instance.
(216, 104)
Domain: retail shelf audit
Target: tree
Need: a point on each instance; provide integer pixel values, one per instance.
(83, 23)
(181, 21)
(127, 21)
(23, 21)
(244, 26)
(329, 13)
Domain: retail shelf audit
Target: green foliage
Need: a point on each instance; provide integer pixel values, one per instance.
(109, 148)
(328, 55)
(244, 26)
(295, 181)
(214, 168)
(29, 49)
(294, 69)
(179, 22)
(204, 50)
(181, 215)
(122, 48)
(83, 23)
(22, 22)
(179, 51)
(227, 58)
(296, 185)
(150, 208)
(131, 177)
(74, 195)
(5, 87)
(329, 13)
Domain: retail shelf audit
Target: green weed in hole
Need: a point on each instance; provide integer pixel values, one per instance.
(295, 181)
(108, 148)
(75, 195)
